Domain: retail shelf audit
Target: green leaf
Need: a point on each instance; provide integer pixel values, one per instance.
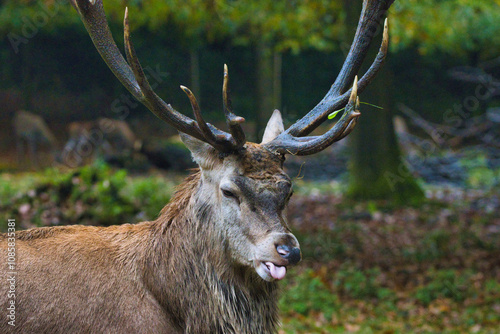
(333, 114)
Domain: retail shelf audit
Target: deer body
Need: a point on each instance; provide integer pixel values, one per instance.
(32, 130)
(210, 262)
(74, 288)
(189, 271)
(104, 136)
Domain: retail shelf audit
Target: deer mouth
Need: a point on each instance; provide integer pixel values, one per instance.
(270, 271)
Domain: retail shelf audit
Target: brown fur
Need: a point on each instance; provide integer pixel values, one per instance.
(171, 275)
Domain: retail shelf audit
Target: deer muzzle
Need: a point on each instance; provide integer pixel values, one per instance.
(276, 253)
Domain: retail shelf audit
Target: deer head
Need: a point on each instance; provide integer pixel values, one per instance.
(248, 193)
(243, 183)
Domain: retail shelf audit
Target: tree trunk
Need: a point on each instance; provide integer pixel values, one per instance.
(278, 61)
(376, 168)
(28, 82)
(264, 87)
(195, 74)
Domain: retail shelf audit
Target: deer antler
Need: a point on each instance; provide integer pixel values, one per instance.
(292, 140)
(131, 75)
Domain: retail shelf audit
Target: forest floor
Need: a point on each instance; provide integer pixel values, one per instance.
(368, 267)
(371, 268)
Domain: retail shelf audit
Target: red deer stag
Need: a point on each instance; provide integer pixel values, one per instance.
(210, 262)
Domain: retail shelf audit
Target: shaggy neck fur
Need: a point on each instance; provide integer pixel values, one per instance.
(188, 271)
(181, 262)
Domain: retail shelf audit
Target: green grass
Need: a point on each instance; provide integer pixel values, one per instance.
(308, 188)
(480, 174)
(91, 195)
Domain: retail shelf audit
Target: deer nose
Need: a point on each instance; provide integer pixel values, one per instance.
(292, 254)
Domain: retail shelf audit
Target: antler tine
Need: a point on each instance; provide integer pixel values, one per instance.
(233, 121)
(313, 144)
(210, 134)
(145, 88)
(353, 123)
(132, 76)
(154, 103)
(379, 60)
(290, 140)
(369, 19)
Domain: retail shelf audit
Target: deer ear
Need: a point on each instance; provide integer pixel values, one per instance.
(274, 127)
(203, 154)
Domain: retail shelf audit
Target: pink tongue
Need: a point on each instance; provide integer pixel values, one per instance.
(277, 272)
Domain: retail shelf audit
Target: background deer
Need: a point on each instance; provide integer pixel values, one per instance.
(33, 133)
(104, 137)
(210, 262)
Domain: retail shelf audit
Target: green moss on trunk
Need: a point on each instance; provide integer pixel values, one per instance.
(376, 168)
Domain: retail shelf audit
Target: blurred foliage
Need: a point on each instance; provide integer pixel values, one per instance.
(95, 195)
(98, 189)
(372, 268)
(287, 25)
(446, 283)
(465, 302)
(480, 174)
(308, 293)
(27, 17)
(457, 27)
(359, 284)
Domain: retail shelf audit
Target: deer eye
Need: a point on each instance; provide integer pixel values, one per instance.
(228, 193)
